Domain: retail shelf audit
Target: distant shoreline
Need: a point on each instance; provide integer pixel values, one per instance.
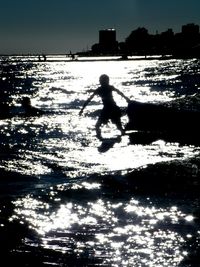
(81, 58)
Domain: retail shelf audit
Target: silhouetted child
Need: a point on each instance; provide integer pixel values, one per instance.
(29, 110)
(110, 109)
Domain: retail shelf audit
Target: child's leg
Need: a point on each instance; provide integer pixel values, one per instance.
(116, 119)
(98, 130)
(119, 126)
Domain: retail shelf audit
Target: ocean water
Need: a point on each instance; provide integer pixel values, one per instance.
(66, 202)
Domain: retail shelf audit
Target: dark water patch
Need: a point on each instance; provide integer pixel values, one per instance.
(12, 236)
(172, 178)
(190, 103)
(193, 257)
(60, 90)
(15, 184)
(6, 150)
(148, 137)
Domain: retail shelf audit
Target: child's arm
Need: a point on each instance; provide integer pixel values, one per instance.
(121, 94)
(86, 103)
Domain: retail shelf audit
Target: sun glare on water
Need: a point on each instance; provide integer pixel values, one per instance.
(133, 233)
(77, 205)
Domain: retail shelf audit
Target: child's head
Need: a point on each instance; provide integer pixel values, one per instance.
(104, 79)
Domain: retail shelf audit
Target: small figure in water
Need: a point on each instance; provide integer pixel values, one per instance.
(44, 57)
(29, 110)
(110, 109)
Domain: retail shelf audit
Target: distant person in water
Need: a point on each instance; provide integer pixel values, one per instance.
(29, 110)
(110, 110)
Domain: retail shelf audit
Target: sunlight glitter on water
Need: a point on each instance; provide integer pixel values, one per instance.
(68, 141)
(122, 233)
(94, 220)
(80, 76)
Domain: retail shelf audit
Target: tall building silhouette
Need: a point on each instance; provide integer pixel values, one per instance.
(107, 37)
(107, 42)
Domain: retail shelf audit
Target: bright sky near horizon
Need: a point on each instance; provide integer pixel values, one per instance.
(58, 26)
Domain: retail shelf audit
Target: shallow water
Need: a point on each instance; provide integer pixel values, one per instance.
(75, 204)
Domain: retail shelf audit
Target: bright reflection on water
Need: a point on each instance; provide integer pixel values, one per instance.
(119, 233)
(84, 218)
(69, 142)
(63, 139)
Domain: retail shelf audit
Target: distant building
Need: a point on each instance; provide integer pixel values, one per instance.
(187, 42)
(139, 42)
(169, 33)
(107, 42)
(107, 37)
(190, 29)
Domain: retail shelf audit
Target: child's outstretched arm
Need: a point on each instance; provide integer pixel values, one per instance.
(86, 103)
(121, 94)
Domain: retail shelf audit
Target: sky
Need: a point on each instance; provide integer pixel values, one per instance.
(60, 26)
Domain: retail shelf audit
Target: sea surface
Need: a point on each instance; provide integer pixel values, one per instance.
(65, 201)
